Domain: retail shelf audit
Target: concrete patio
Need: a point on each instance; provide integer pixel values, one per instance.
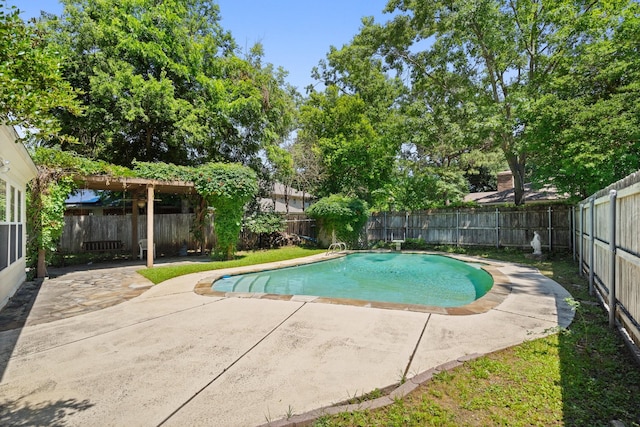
(170, 356)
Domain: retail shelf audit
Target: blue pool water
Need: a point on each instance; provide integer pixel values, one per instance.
(387, 277)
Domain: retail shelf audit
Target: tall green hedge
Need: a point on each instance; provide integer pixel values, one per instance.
(346, 216)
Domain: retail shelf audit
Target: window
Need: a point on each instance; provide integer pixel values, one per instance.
(11, 224)
(3, 200)
(12, 204)
(19, 206)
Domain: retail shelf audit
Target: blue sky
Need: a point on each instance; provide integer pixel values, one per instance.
(295, 34)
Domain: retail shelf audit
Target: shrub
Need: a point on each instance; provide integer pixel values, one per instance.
(345, 216)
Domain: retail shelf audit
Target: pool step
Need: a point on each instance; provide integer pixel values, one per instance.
(251, 283)
(259, 283)
(243, 284)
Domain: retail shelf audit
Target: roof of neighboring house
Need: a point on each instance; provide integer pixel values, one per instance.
(267, 204)
(281, 189)
(545, 194)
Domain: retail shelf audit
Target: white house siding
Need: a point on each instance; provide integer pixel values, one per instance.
(13, 207)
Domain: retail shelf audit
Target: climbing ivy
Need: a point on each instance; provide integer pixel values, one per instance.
(69, 163)
(46, 215)
(341, 214)
(225, 187)
(162, 171)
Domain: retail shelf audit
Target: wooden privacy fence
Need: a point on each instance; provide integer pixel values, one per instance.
(500, 227)
(171, 231)
(608, 249)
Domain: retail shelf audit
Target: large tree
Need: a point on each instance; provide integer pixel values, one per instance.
(348, 138)
(584, 132)
(355, 158)
(489, 57)
(31, 85)
(162, 81)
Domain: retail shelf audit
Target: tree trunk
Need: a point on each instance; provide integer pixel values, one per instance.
(516, 164)
(41, 270)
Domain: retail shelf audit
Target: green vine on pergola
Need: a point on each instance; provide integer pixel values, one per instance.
(226, 187)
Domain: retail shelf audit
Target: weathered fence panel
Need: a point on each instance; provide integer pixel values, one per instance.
(171, 231)
(608, 235)
(300, 224)
(501, 227)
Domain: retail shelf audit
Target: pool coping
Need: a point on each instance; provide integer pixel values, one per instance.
(497, 294)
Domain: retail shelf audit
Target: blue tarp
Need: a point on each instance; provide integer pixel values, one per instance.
(82, 197)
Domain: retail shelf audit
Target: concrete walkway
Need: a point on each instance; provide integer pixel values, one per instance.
(172, 357)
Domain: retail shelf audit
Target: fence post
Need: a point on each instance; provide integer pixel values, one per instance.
(549, 228)
(406, 224)
(581, 242)
(612, 261)
(384, 227)
(497, 228)
(573, 231)
(458, 227)
(592, 243)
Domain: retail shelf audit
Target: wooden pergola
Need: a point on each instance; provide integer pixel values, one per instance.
(141, 190)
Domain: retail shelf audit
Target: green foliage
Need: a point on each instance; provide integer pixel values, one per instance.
(71, 162)
(31, 84)
(265, 223)
(355, 158)
(225, 187)
(342, 215)
(161, 81)
(45, 213)
(476, 67)
(415, 188)
(585, 130)
(347, 143)
(163, 171)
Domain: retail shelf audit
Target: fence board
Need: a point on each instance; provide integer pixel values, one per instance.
(509, 227)
(171, 231)
(596, 213)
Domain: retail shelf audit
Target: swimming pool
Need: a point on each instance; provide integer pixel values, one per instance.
(406, 278)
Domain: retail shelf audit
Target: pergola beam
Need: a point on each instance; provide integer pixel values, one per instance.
(140, 187)
(103, 182)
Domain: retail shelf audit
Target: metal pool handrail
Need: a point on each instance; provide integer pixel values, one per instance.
(336, 247)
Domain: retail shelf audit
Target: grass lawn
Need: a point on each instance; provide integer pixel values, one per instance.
(582, 376)
(160, 274)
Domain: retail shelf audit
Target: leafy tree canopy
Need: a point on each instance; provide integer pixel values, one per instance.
(350, 127)
(31, 84)
(584, 132)
(475, 66)
(354, 156)
(161, 81)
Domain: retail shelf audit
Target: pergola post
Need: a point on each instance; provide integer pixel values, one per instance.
(134, 226)
(150, 244)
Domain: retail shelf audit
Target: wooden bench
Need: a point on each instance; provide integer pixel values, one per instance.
(103, 246)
